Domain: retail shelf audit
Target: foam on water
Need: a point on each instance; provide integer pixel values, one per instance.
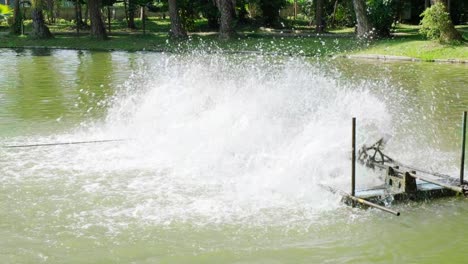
(214, 139)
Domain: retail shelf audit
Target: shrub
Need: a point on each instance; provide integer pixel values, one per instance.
(435, 21)
(270, 11)
(381, 15)
(344, 16)
(5, 12)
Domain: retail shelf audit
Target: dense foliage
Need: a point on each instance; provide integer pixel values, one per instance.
(5, 12)
(435, 21)
(270, 11)
(204, 15)
(191, 10)
(381, 15)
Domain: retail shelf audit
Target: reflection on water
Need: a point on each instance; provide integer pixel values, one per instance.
(45, 90)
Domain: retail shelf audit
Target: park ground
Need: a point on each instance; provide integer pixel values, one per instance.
(297, 39)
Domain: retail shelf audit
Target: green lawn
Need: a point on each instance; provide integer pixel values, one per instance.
(405, 42)
(408, 42)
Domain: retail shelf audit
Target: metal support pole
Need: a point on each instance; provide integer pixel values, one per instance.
(433, 181)
(353, 199)
(371, 204)
(462, 167)
(353, 165)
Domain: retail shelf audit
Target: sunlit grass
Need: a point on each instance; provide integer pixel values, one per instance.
(411, 44)
(405, 42)
(422, 49)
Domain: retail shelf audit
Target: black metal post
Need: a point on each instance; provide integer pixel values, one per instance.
(462, 167)
(353, 165)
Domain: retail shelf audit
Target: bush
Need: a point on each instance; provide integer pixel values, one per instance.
(344, 16)
(5, 12)
(270, 11)
(381, 14)
(435, 21)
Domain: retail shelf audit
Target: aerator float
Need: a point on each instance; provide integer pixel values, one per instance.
(401, 182)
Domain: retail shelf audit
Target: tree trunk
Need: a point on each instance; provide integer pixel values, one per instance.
(7, 2)
(449, 33)
(131, 14)
(16, 26)
(319, 20)
(335, 6)
(177, 30)
(86, 14)
(108, 19)
(295, 9)
(80, 16)
(364, 27)
(226, 30)
(77, 18)
(126, 11)
(270, 10)
(98, 30)
(50, 11)
(40, 30)
(143, 19)
(243, 13)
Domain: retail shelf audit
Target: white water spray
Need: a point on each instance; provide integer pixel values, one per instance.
(218, 139)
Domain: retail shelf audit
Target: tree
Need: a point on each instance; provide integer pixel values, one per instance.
(242, 14)
(295, 9)
(226, 8)
(52, 8)
(209, 11)
(5, 12)
(98, 30)
(364, 27)
(80, 24)
(131, 14)
(177, 29)
(40, 30)
(436, 24)
(381, 14)
(143, 5)
(319, 19)
(15, 27)
(108, 4)
(270, 11)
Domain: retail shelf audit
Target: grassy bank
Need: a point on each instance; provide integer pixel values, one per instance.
(408, 42)
(405, 42)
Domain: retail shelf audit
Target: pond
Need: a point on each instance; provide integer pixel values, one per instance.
(221, 158)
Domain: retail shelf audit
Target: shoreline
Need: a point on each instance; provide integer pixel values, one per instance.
(378, 57)
(400, 58)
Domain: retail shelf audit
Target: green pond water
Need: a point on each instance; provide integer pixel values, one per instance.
(222, 158)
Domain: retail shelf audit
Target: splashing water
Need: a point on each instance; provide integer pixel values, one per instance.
(214, 140)
(224, 159)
